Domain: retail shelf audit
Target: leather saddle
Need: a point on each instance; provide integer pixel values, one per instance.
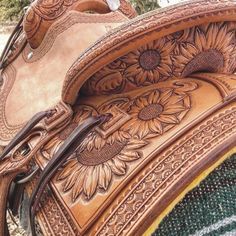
(131, 112)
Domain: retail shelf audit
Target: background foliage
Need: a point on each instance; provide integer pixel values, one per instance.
(143, 6)
(11, 9)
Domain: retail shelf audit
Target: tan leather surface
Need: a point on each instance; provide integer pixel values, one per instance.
(93, 183)
(166, 78)
(167, 23)
(34, 84)
(42, 14)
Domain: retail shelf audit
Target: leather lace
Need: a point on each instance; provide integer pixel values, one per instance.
(64, 152)
(10, 43)
(70, 145)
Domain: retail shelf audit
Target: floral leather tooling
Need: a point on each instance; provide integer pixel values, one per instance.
(131, 112)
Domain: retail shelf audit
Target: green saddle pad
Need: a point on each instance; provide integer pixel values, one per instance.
(209, 209)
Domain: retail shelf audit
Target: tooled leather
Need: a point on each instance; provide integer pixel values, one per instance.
(42, 14)
(98, 175)
(7, 131)
(53, 214)
(208, 47)
(148, 27)
(131, 176)
(157, 185)
(57, 161)
(28, 72)
(125, 208)
(111, 20)
(224, 83)
(15, 163)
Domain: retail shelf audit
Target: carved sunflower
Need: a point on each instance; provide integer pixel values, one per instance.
(89, 171)
(180, 38)
(212, 51)
(150, 63)
(156, 112)
(94, 139)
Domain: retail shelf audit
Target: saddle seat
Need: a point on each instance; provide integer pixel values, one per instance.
(45, 51)
(167, 81)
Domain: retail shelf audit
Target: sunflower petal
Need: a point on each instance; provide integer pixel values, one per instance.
(150, 77)
(79, 185)
(221, 36)
(164, 71)
(131, 57)
(159, 44)
(70, 181)
(158, 128)
(200, 40)
(68, 169)
(211, 35)
(142, 130)
(129, 156)
(139, 78)
(165, 95)
(105, 176)
(169, 119)
(173, 109)
(91, 181)
(133, 128)
(132, 70)
(135, 144)
(189, 51)
(117, 166)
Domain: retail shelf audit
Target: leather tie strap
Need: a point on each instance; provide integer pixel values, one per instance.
(11, 41)
(64, 152)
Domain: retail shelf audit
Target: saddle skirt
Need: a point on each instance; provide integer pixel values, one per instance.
(165, 78)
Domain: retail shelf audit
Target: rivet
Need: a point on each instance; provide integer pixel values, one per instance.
(30, 55)
(113, 4)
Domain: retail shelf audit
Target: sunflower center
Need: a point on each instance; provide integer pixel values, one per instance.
(150, 112)
(149, 59)
(67, 131)
(207, 61)
(97, 157)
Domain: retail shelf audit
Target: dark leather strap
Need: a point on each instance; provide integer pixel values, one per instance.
(64, 152)
(25, 131)
(5, 183)
(11, 41)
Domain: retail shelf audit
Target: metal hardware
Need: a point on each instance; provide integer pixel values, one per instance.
(25, 150)
(30, 55)
(114, 5)
(28, 177)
